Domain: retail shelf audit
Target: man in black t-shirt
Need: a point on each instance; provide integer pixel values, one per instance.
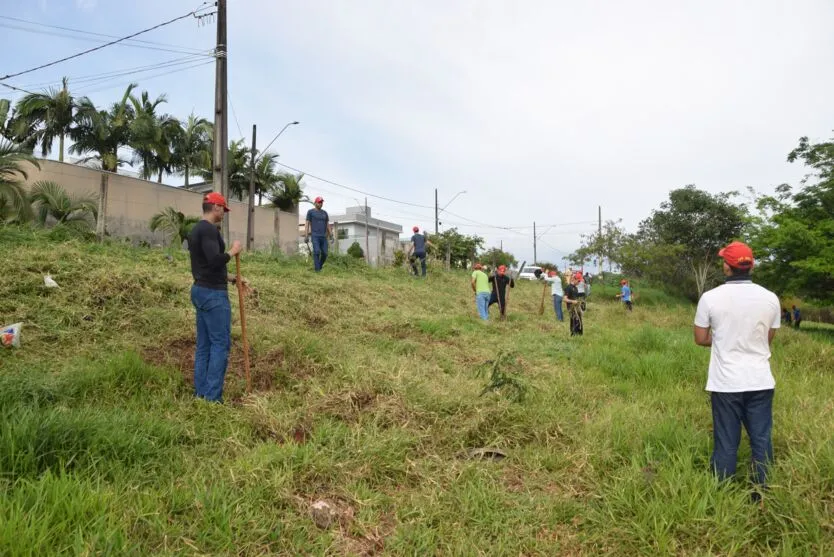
(500, 281)
(211, 299)
(574, 304)
(417, 250)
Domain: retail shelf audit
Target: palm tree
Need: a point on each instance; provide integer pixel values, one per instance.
(14, 129)
(99, 134)
(174, 223)
(192, 148)
(52, 114)
(289, 192)
(266, 179)
(49, 200)
(239, 169)
(152, 136)
(14, 204)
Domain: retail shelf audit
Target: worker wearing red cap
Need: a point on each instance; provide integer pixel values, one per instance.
(417, 250)
(573, 302)
(480, 286)
(738, 320)
(499, 282)
(210, 298)
(625, 294)
(317, 227)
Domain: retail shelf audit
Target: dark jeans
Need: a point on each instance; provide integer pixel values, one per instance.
(576, 327)
(422, 258)
(502, 302)
(557, 306)
(214, 339)
(754, 409)
(319, 252)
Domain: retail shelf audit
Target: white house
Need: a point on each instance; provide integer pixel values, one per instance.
(383, 237)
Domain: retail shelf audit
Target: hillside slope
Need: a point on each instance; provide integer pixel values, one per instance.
(369, 396)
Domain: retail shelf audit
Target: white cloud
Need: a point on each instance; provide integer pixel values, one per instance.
(86, 5)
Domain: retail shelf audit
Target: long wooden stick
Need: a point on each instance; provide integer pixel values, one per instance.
(541, 306)
(240, 298)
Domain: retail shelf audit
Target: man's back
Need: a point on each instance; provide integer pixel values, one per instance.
(419, 241)
(740, 315)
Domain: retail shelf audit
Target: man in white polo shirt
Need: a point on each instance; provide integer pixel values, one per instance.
(738, 320)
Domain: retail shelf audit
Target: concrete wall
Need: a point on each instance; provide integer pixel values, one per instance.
(380, 252)
(132, 202)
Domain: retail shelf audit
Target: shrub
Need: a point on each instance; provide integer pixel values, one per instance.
(355, 250)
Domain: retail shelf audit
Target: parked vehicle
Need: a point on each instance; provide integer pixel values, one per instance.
(529, 272)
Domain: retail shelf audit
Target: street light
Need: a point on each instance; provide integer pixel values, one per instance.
(437, 212)
(250, 224)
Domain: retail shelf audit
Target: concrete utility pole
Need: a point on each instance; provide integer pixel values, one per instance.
(250, 224)
(367, 235)
(436, 219)
(220, 173)
(599, 256)
(535, 257)
(378, 245)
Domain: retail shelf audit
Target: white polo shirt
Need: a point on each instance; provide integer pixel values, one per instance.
(740, 315)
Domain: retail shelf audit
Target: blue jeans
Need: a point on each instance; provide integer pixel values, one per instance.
(557, 305)
(319, 252)
(482, 303)
(422, 258)
(214, 339)
(754, 409)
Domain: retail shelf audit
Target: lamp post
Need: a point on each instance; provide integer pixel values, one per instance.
(250, 224)
(438, 211)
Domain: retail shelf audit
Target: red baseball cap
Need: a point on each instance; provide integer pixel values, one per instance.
(319, 199)
(477, 266)
(502, 269)
(551, 273)
(578, 275)
(737, 255)
(416, 229)
(624, 281)
(216, 198)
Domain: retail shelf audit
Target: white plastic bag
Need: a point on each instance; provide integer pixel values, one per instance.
(49, 282)
(10, 335)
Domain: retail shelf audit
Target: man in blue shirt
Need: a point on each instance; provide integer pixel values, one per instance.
(797, 317)
(625, 294)
(317, 227)
(418, 250)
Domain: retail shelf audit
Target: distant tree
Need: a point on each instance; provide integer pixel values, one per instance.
(355, 250)
(237, 159)
(153, 136)
(496, 256)
(192, 146)
(793, 235)
(174, 223)
(288, 192)
(461, 249)
(605, 246)
(14, 203)
(51, 201)
(50, 115)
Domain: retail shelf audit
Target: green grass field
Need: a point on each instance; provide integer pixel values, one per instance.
(369, 396)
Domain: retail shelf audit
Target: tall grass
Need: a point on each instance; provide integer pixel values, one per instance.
(368, 395)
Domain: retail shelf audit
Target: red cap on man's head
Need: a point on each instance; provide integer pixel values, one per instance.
(551, 273)
(578, 275)
(623, 282)
(477, 266)
(502, 269)
(216, 198)
(737, 255)
(416, 229)
(319, 200)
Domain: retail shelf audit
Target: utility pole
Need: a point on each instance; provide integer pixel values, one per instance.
(220, 174)
(378, 246)
(367, 235)
(250, 223)
(436, 221)
(535, 257)
(599, 256)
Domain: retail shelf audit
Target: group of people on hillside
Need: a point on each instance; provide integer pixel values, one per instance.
(795, 320)
(737, 321)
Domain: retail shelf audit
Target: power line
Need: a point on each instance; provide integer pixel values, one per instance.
(90, 50)
(234, 113)
(125, 83)
(84, 32)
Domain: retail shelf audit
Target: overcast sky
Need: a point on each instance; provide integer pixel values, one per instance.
(540, 109)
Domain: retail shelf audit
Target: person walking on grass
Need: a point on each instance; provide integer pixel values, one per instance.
(556, 292)
(573, 303)
(417, 250)
(738, 320)
(499, 282)
(625, 294)
(211, 299)
(317, 227)
(797, 317)
(480, 286)
(786, 316)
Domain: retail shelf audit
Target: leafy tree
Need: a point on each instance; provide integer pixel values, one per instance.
(51, 201)
(266, 178)
(700, 224)
(793, 236)
(237, 159)
(605, 245)
(496, 256)
(288, 192)
(460, 250)
(192, 146)
(50, 114)
(355, 250)
(174, 223)
(16, 130)
(98, 135)
(14, 203)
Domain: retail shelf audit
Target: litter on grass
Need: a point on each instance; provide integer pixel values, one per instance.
(49, 282)
(10, 335)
